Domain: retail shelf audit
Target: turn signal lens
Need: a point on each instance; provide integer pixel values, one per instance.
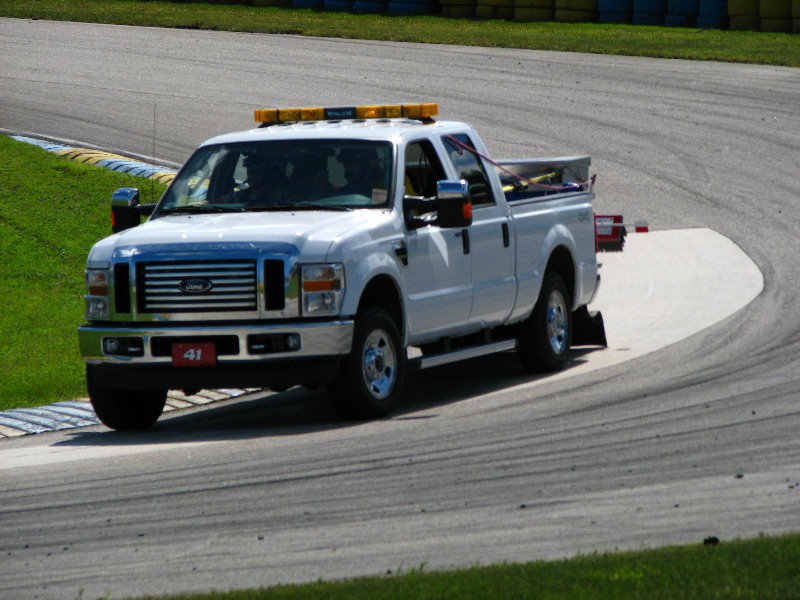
(97, 283)
(322, 288)
(96, 300)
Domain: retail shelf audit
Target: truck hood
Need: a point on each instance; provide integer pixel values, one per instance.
(309, 233)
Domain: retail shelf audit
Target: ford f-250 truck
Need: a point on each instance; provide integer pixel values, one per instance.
(318, 248)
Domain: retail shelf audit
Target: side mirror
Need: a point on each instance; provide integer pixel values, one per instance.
(126, 212)
(452, 206)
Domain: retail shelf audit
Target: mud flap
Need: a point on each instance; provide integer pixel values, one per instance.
(588, 328)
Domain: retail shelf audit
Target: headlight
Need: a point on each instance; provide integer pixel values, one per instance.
(96, 298)
(323, 289)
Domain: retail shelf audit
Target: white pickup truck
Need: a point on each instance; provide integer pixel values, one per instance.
(322, 246)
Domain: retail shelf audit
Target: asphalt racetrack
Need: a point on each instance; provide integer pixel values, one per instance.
(685, 427)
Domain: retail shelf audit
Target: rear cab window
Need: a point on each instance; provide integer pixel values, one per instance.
(469, 167)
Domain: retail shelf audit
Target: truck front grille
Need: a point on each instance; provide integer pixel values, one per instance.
(194, 286)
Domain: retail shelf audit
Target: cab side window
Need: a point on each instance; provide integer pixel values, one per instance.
(422, 169)
(470, 168)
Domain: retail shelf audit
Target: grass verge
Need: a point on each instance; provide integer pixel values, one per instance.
(763, 569)
(49, 218)
(660, 42)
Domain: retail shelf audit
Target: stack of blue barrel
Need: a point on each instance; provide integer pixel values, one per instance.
(614, 11)
(712, 14)
(766, 15)
(337, 4)
(681, 13)
(412, 7)
(373, 6)
(649, 12)
(396, 7)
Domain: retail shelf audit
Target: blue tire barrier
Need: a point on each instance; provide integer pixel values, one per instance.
(369, 7)
(712, 22)
(649, 12)
(614, 11)
(307, 3)
(621, 6)
(713, 8)
(679, 20)
(338, 5)
(683, 7)
(411, 8)
(614, 17)
(652, 7)
(648, 19)
(576, 5)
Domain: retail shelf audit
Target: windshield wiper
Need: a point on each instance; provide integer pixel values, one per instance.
(200, 209)
(278, 206)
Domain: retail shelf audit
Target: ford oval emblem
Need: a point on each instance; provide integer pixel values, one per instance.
(194, 285)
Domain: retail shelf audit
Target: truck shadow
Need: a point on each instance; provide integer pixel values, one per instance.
(301, 411)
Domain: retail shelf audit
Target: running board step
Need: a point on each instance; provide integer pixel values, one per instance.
(437, 360)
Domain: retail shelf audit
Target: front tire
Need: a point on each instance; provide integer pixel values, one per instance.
(125, 410)
(371, 378)
(546, 336)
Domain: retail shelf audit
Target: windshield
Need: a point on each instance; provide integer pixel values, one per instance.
(276, 175)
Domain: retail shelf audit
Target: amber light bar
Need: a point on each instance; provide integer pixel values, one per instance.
(380, 111)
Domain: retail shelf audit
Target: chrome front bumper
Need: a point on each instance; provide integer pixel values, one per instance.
(144, 345)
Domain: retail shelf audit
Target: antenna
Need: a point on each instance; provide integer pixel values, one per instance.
(153, 181)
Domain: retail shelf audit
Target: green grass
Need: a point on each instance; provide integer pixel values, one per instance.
(730, 46)
(49, 218)
(760, 569)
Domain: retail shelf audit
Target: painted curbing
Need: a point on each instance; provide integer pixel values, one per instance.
(79, 413)
(107, 160)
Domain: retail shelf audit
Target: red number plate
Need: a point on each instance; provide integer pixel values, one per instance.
(194, 355)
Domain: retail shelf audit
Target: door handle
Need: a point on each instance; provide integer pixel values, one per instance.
(506, 236)
(464, 235)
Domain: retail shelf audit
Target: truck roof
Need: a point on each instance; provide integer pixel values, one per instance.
(392, 129)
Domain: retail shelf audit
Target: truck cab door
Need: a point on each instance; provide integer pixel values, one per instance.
(438, 265)
(491, 242)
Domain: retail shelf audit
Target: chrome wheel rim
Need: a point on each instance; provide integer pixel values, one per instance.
(379, 364)
(557, 322)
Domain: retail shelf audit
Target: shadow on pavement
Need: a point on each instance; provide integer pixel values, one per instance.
(301, 411)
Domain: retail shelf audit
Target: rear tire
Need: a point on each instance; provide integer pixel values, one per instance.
(545, 338)
(371, 377)
(125, 410)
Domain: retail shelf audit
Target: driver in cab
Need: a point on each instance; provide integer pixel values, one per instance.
(266, 181)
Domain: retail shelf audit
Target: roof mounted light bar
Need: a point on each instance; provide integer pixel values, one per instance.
(272, 116)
